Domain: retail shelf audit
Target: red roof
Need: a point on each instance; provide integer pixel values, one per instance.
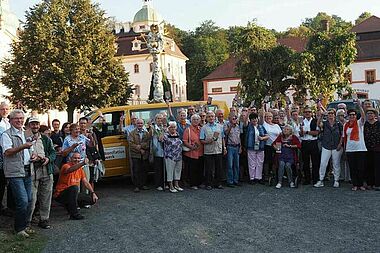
(226, 70)
(371, 24)
(296, 43)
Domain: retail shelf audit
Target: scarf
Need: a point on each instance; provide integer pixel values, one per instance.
(354, 136)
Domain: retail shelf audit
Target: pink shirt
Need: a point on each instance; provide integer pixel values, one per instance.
(194, 133)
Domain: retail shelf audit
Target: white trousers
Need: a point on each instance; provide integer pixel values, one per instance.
(325, 157)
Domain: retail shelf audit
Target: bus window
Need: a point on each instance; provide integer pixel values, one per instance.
(113, 122)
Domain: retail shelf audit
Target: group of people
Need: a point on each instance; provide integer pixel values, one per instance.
(205, 150)
(38, 165)
(197, 149)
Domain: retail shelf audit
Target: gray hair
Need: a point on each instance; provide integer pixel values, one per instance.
(172, 124)
(16, 111)
(3, 104)
(158, 115)
(194, 117)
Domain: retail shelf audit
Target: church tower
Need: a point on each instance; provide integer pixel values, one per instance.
(146, 17)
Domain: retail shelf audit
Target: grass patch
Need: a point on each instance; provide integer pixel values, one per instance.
(10, 243)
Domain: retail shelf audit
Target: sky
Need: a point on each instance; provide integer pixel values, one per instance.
(189, 14)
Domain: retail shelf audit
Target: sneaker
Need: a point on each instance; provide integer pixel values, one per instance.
(159, 188)
(319, 184)
(208, 187)
(219, 186)
(22, 234)
(44, 224)
(292, 185)
(336, 184)
(178, 188)
(87, 206)
(136, 190)
(145, 188)
(76, 217)
(362, 188)
(278, 186)
(194, 187)
(29, 230)
(173, 190)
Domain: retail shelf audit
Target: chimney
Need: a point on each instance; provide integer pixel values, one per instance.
(325, 24)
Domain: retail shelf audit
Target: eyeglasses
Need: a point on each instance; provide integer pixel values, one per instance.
(341, 115)
(352, 114)
(234, 118)
(307, 111)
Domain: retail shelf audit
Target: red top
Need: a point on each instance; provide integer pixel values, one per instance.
(67, 180)
(194, 133)
(294, 141)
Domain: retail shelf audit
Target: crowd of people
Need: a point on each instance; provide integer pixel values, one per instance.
(196, 149)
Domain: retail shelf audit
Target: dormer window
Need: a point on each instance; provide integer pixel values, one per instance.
(136, 45)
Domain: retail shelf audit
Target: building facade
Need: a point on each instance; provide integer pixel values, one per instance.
(135, 57)
(365, 71)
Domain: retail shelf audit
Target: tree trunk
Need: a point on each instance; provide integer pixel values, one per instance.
(70, 113)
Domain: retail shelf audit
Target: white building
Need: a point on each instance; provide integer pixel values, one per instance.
(9, 25)
(365, 70)
(135, 57)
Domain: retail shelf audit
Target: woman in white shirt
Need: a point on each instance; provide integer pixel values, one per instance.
(273, 130)
(353, 134)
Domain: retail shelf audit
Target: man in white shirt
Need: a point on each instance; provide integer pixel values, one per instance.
(17, 170)
(309, 135)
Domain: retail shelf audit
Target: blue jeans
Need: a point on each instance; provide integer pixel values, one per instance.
(22, 194)
(233, 164)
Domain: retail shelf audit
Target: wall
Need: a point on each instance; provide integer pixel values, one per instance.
(226, 94)
(358, 78)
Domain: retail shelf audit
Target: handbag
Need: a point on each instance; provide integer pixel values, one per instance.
(184, 148)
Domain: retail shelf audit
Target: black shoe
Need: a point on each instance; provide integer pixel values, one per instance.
(238, 184)
(145, 188)
(231, 185)
(208, 187)
(261, 181)
(76, 217)
(44, 224)
(136, 190)
(219, 186)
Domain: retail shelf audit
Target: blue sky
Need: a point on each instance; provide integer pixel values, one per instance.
(188, 14)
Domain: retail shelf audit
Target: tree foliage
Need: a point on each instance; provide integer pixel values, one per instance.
(335, 23)
(363, 17)
(206, 48)
(264, 72)
(65, 59)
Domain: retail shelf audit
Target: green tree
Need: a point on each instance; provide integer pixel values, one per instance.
(65, 59)
(175, 33)
(301, 31)
(250, 37)
(264, 72)
(207, 48)
(335, 22)
(363, 17)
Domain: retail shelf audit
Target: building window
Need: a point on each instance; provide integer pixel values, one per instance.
(142, 27)
(151, 67)
(136, 68)
(370, 76)
(168, 67)
(215, 90)
(136, 44)
(233, 88)
(137, 90)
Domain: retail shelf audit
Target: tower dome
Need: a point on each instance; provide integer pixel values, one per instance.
(146, 17)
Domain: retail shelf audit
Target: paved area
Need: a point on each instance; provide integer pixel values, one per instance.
(245, 219)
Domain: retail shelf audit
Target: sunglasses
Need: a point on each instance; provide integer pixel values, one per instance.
(234, 118)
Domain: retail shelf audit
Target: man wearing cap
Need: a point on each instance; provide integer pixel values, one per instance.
(17, 170)
(43, 168)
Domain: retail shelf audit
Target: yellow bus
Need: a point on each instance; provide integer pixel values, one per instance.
(114, 140)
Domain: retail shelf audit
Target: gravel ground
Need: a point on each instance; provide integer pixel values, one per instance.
(244, 219)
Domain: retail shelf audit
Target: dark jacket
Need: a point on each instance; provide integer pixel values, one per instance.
(134, 141)
(49, 153)
(250, 137)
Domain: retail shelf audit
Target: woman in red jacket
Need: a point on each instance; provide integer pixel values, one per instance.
(286, 145)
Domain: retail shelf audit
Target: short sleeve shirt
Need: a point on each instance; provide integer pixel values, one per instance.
(81, 148)
(70, 179)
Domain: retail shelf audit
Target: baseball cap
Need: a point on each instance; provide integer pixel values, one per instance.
(33, 119)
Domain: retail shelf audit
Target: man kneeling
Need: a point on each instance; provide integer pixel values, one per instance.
(67, 190)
